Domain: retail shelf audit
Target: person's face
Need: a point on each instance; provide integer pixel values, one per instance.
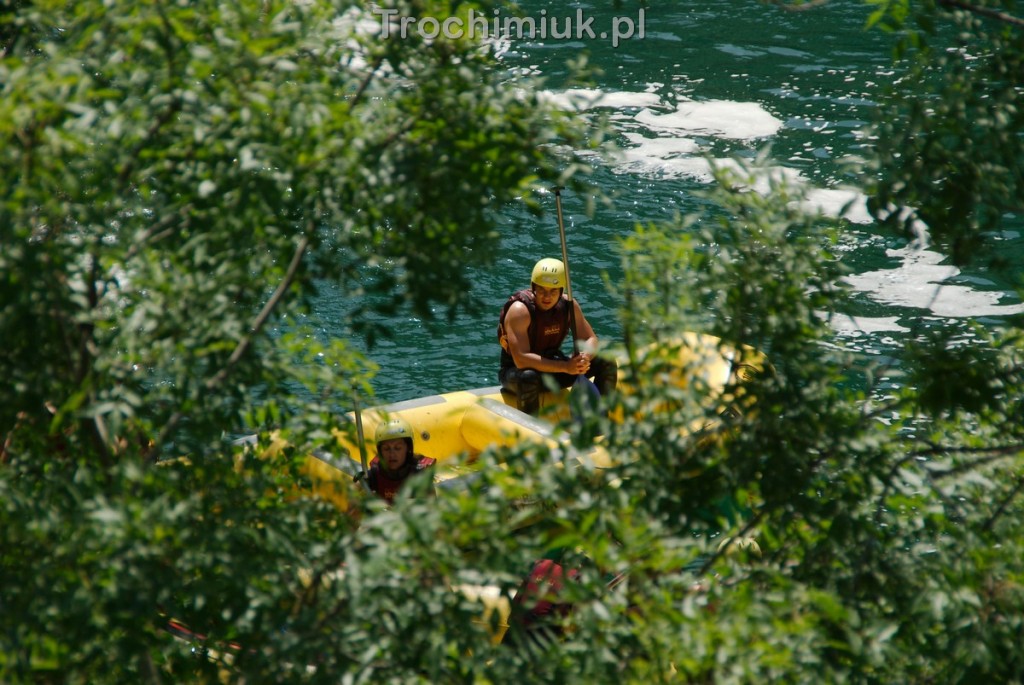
(393, 453)
(546, 298)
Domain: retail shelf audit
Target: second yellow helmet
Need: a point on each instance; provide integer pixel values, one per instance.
(392, 429)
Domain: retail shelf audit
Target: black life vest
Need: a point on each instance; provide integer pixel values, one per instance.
(547, 329)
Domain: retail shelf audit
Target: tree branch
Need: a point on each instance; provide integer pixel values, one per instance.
(245, 343)
(983, 11)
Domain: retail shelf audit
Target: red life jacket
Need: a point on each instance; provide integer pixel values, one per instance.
(539, 594)
(547, 329)
(387, 485)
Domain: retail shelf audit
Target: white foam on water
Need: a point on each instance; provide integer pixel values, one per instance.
(666, 144)
(665, 157)
(717, 118)
(858, 325)
(581, 99)
(662, 138)
(832, 201)
(765, 177)
(919, 283)
(667, 147)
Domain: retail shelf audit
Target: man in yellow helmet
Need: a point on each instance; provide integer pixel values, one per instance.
(533, 325)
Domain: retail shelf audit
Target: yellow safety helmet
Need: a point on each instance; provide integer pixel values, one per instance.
(392, 429)
(549, 273)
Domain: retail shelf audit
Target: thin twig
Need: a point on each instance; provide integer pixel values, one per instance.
(365, 82)
(173, 108)
(1004, 505)
(751, 524)
(158, 231)
(789, 6)
(98, 427)
(133, 156)
(990, 453)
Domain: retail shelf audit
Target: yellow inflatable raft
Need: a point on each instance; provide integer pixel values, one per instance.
(456, 427)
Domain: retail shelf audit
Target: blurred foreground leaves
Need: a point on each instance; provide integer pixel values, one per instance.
(176, 180)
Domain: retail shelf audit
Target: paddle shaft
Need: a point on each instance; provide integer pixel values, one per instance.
(582, 382)
(565, 263)
(362, 442)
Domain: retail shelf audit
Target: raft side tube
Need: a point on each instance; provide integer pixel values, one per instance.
(435, 420)
(333, 479)
(489, 423)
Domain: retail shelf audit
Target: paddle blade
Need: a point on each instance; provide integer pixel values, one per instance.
(583, 398)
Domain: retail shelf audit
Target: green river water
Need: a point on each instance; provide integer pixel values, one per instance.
(723, 79)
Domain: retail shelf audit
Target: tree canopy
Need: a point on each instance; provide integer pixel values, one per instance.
(178, 178)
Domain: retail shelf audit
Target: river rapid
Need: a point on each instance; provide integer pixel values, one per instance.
(721, 79)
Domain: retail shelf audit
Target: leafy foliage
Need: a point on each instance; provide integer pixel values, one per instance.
(948, 138)
(176, 180)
